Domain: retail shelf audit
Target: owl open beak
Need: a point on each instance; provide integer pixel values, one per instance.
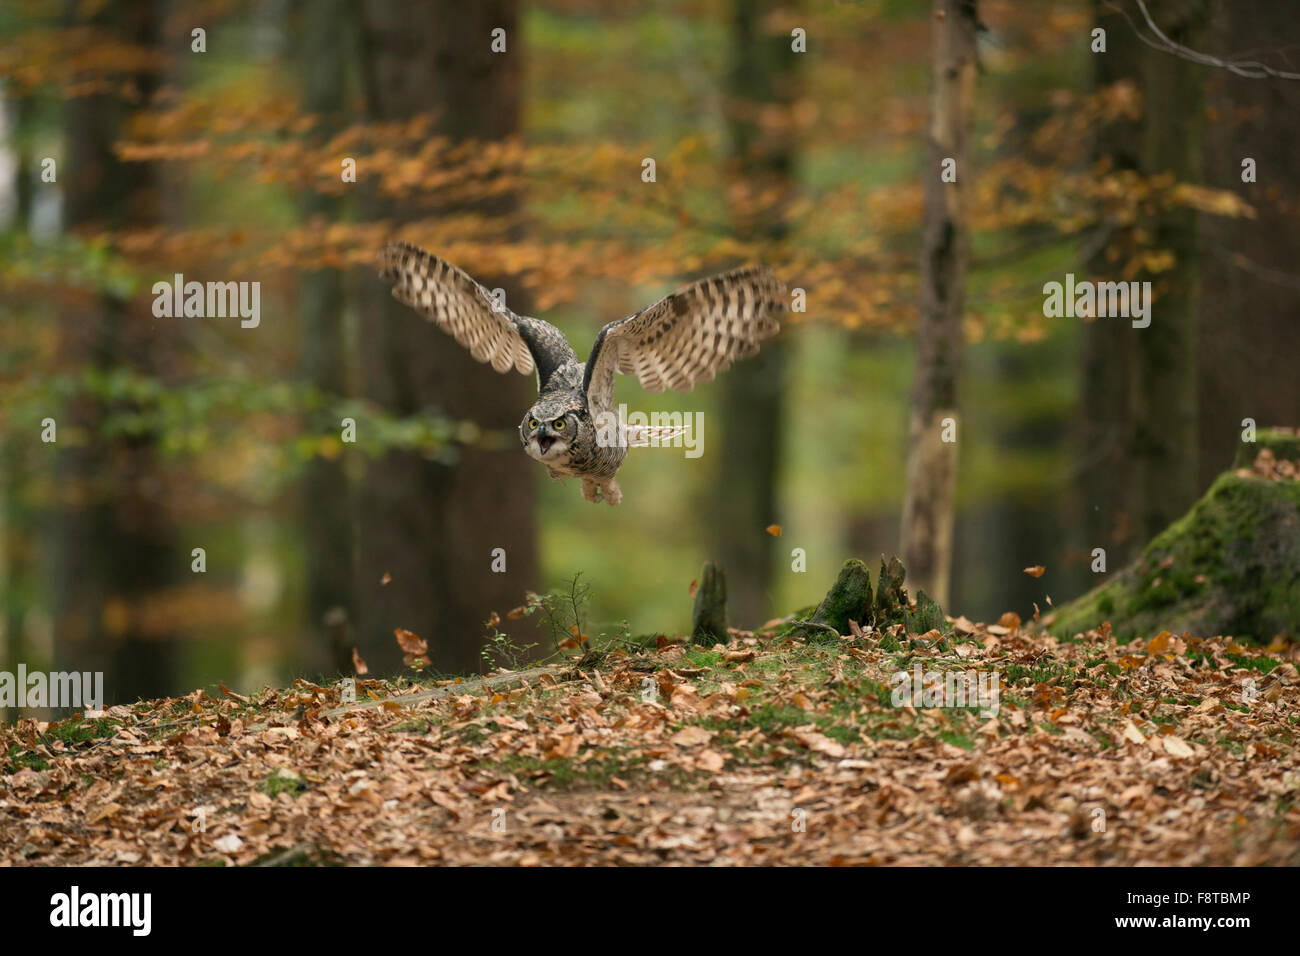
(544, 443)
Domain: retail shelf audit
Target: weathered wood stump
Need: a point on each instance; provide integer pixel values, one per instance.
(850, 599)
(709, 618)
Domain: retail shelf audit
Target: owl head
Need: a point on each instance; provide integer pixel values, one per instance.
(549, 431)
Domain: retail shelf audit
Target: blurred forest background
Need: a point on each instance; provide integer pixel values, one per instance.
(525, 168)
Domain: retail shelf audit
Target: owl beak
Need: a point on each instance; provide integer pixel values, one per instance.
(544, 443)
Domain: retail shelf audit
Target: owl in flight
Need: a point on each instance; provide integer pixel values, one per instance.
(688, 337)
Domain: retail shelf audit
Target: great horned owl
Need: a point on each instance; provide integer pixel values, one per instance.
(685, 338)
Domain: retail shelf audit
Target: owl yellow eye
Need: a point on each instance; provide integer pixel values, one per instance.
(532, 423)
(558, 424)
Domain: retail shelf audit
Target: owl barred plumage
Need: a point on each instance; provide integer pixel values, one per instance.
(684, 338)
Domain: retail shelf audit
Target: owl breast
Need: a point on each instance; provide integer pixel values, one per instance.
(591, 454)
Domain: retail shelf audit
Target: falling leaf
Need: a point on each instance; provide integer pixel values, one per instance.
(410, 642)
(358, 664)
(386, 579)
(695, 586)
(1010, 620)
(774, 530)
(1036, 571)
(414, 648)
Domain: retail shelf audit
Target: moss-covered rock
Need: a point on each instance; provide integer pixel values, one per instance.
(1231, 565)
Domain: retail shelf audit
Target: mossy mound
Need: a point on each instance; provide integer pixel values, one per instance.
(1230, 566)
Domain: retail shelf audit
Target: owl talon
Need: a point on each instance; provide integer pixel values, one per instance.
(590, 490)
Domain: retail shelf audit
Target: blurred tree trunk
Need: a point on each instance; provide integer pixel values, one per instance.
(932, 462)
(16, 527)
(324, 29)
(1250, 289)
(116, 544)
(1105, 432)
(433, 526)
(763, 75)
(1163, 376)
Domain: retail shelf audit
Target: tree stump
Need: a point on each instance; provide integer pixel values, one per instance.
(709, 618)
(848, 599)
(891, 596)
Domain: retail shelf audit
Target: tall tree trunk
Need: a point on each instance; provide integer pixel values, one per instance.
(762, 74)
(16, 531)
(431, 526)
(1105, 430)
(1250, 293)
(117, 545)
(1163, 384)
(324, 28)
(932, 457)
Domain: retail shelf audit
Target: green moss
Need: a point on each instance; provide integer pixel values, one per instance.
(1226, 567)
(280, 782)
(848, 599)
(891, 596)
(927, 616)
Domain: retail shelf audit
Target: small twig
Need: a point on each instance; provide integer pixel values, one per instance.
(1251, 69)
(289, 855)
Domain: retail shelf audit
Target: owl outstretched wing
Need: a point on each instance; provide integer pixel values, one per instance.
(448, 297)
(688, 337)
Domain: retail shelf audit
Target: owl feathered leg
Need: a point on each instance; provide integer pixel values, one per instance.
(612, 492)
(593, 489)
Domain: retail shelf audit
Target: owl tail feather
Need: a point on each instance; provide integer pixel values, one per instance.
(640, 436)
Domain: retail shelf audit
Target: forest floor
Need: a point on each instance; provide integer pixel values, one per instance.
(764, 751)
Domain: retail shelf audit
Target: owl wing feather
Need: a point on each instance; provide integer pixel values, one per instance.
(687, 337)
(447, 296)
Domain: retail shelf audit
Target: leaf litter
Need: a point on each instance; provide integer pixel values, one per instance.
(1178, 750)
